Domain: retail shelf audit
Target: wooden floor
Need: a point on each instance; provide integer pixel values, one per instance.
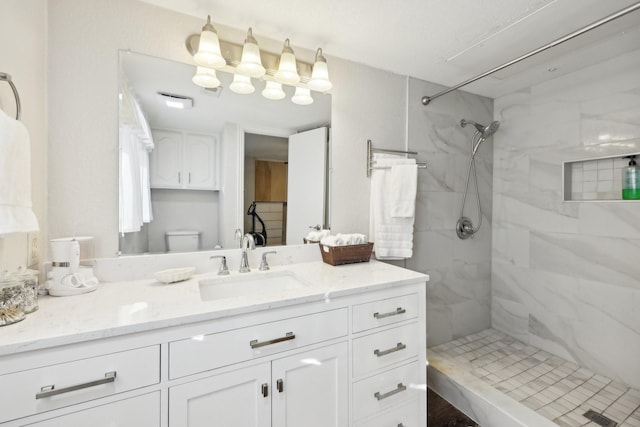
(441, 414)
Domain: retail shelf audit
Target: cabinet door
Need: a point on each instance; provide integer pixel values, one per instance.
(311, 389)
(166, 160)
(200, 171)
(233, 399)
(140, 411)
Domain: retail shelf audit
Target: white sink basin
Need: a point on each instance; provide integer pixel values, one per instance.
(249, 284)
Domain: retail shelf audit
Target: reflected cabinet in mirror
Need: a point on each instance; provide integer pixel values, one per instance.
(201, 167)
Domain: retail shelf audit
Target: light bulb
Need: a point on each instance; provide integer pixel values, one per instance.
(320, 74)
(287, 70)
(208, 54)
(273, 90)
(250, 63)
(206, 77)
(242, 84)
(302, 96)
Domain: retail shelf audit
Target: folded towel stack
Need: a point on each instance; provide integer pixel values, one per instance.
(344, 239)
(317, 235)
(392, 213)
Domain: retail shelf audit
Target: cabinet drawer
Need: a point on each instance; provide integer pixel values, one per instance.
(140, 411)
(384, 312)
(405, 415)
(382, 349)
(77, 381)
(386, 390)
(205, 352)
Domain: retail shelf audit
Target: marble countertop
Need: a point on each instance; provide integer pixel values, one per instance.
(124, 307)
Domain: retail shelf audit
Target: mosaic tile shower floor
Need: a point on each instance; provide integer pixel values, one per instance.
(550, 385)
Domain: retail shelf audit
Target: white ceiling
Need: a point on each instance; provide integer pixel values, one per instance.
(442, 41)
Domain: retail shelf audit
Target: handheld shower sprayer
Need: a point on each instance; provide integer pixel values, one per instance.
(464, 227)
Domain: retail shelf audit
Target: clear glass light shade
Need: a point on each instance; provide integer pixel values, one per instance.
(287, 69)
(206, 77)
(273, 90)
(251, 63)
(302, 96)
(242, 84)
(320, 74)
(209, 54)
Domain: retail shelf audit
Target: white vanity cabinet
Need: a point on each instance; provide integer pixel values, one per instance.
(305, 389)
(183, 160)
(272, 381)
(354, 359)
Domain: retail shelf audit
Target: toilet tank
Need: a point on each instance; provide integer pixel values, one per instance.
(182, 240)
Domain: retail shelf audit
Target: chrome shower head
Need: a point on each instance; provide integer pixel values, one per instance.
(485, 131)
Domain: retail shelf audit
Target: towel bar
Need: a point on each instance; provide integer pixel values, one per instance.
(371, 162)
(7, 78)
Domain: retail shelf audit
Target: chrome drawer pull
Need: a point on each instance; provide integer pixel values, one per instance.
(401, 387)
(265, 390)
(399, 310)
(51, 390)
(280, 385)
(398, 347)
(287, 337)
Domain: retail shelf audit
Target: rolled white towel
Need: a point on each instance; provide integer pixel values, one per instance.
(353, 238)
(333, 241)
(317, 235)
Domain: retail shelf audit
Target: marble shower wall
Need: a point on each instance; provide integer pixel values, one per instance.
(566, 275)
(459, 292)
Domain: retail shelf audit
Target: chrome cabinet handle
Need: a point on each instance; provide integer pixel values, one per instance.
(398, 347)
(400, 425)
(51, 390)
(257, 344)
(399, 310)
(179, 178)
(265, 390)
(280, 385)
(189, 177)
(401, 387)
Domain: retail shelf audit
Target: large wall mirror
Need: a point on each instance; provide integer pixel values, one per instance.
(198, 167)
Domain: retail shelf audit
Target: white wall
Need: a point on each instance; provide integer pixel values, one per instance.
(367, 103)
(23, 55)
(566, 275)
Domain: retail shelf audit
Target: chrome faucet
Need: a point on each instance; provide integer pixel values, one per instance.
(247, 243)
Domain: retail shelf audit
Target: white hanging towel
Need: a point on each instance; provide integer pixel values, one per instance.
(16, 214)
(392, 209)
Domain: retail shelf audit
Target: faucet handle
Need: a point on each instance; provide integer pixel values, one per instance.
(223, 270)
(263, 264)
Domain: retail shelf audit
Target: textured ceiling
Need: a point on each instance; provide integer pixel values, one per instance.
(442, 41)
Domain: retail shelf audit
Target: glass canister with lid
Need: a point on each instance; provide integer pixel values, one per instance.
(11, 300)
(30, 280)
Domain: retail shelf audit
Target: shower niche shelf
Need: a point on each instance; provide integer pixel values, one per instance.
(595, 180)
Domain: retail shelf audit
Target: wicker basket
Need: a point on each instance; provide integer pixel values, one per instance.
(350, 254)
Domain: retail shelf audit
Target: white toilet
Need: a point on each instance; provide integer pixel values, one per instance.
(182, 240)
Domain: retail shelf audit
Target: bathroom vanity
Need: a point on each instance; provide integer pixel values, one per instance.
(315, 346)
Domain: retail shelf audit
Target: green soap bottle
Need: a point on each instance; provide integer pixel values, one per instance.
(631, 180)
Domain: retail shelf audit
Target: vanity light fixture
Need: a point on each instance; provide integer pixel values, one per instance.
(206, 77)
(208, 54)
(251, 63)
(273, 90)
(302, 96)
(242, 84)
(320, 74)
(246, 61)
(287, 69)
